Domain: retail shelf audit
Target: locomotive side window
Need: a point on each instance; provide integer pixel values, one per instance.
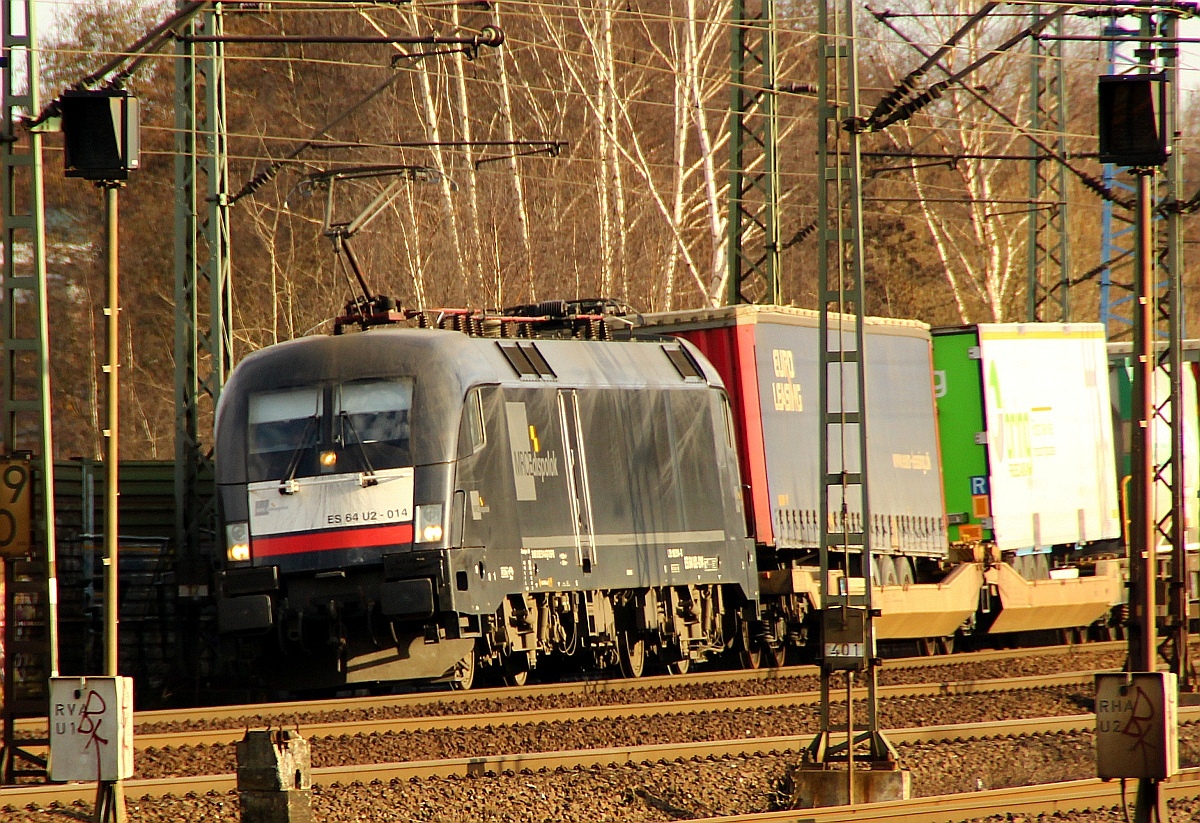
(727, 416)
(281, 423)
(684, 364)
(471, 437)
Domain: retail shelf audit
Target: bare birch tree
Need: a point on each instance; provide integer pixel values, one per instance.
(514, 166)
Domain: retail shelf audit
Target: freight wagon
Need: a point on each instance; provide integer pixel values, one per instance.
(933, 581)
(1121, 384)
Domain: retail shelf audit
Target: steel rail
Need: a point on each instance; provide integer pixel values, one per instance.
(1045, 798)
(290, 708)
(398, 725)
(21, 796)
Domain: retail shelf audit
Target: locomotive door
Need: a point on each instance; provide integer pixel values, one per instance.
(577, 478)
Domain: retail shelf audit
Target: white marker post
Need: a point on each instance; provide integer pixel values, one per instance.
(91, 728)
(1137, 729)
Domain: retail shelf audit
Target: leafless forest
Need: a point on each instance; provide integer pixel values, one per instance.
(632, 205)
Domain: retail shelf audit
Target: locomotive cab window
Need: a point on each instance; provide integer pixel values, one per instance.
(357, 426)
(282, 424)
(372, 417)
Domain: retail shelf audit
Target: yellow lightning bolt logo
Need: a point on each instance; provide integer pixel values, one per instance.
(533, 439)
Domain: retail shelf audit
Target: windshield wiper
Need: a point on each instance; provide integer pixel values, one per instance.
(288, 485)
(369, 474)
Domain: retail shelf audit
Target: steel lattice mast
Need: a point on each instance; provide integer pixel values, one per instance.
(1048, 281)
(1168, 322)
(203, 305)
(32, 648)
(1157, 52)
(753, 254)
(845, 534)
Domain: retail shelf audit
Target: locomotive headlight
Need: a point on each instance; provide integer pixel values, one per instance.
(328, 461)
(237, 542)
(428, 524)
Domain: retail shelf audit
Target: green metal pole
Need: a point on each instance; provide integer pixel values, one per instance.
(111, 433)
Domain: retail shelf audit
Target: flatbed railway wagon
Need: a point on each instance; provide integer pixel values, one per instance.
(413, 503)
(930, 585)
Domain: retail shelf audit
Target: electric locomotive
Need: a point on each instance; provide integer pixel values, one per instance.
(417, 503)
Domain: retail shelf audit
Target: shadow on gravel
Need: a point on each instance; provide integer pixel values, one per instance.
(1087, 702)
(663, 806)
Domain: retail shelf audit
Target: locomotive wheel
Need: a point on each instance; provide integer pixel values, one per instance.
(515, 669)
(749, 652)
(680, 666)
(773, 657)
(631, 654)
(751, 658)
(519, 678)
(774, 645)
(464, 676)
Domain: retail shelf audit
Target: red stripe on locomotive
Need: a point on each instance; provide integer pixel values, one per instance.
(276, 545)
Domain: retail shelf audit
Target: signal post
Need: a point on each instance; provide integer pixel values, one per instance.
(1136, 727)
(100, 139)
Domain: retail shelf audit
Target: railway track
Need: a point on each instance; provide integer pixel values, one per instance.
(1048, 798)
(366, 776)
(237, 715)
(1187, 785)
(399, 725)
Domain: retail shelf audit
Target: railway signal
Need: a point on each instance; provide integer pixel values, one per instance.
(100, 134)
(1132, 133)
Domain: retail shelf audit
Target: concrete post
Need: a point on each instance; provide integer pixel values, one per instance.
(274, 777)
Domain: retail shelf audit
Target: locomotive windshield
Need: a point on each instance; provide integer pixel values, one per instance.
(359, 425)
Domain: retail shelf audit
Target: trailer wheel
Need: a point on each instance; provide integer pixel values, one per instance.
(631, 654)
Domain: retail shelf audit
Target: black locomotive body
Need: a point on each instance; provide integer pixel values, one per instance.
(406, 504)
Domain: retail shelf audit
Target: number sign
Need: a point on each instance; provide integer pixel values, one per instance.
(16, 508)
